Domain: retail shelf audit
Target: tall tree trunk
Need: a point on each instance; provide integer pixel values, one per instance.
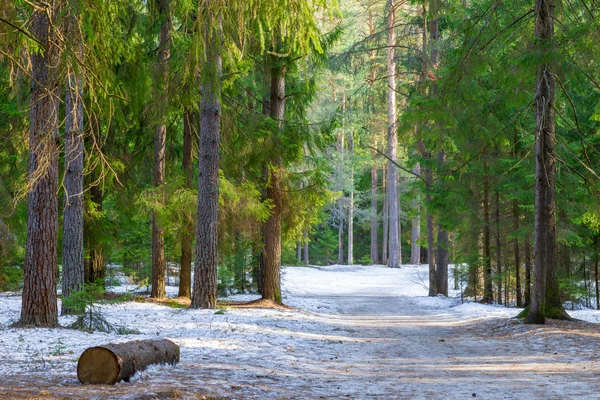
(340, 255)
(160, 137)
(498, 248)
(386, 219)
(426, 153)
(374, 217)
(305, 250)
(596, 281)
(527, 246)
(394, 251)
(272, 283)
(545, 299)
(441, 272)
(415, 228)
(205, 265)
(374, 173)
(487, 260)
(517, 255)
(185, 273)
(266, 111)
(72, 254)
(351, 202)
(39, 302)
(430, 244)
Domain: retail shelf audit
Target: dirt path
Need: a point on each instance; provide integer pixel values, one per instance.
(366, 342)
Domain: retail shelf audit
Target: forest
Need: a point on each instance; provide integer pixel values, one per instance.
(212, 145)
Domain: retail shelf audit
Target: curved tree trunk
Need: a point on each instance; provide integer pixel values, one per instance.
(72, 254)
(205, 268)
(160, 137)
(39, 302)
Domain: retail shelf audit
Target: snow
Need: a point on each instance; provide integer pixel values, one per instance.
(360, 332)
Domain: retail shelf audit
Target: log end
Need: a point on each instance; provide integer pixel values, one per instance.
(98, 365)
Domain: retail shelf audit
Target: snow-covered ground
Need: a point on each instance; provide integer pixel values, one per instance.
(355, 332)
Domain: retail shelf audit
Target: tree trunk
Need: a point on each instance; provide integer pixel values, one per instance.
(596, 281)
(374, 174)
(517, 255)
(415, 229)
(374, 218)
(386, 219)
(487, 260)
(351, 203)
(394, 251)
(498, 249)
(272, 283)
(185, 272)
(72, 253)
(545, 299)
(160, 136)
(527, 246)
(340, 259)
(39, 302)
(205, 266)
(441, 272)
(111, 363)
(305, 250)
(430, 255)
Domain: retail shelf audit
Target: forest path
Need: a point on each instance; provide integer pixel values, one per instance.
(356, 333)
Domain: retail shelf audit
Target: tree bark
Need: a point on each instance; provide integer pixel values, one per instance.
(545, 299)
(527, 246)
(185, 272)
(160, 136)
(415, 228)
(72, 252)
(487, 261)
(518, 289)
(430, 244)
(498, 249)
(374, 217)
(351, 202)
(386, 219)
(272, 283)
(394, 251)
(112, 363)
(205, 266)
(374, 173)
(305, 250)
(441, 273)
(596, 281)
(39, 301)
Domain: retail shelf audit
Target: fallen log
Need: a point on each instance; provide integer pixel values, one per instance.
(111, 363)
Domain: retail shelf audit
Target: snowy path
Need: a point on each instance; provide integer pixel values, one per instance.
(358, 333)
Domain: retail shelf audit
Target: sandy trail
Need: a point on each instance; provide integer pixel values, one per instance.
(363, 337)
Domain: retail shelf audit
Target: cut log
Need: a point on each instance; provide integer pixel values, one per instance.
(111, 363)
